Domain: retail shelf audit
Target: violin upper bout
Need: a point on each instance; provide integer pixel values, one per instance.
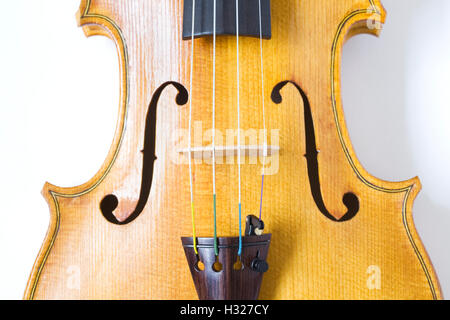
(91, 24)
(82, 10)
(81, 14)
(368, 18)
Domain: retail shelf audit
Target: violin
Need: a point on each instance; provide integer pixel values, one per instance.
(231, 174)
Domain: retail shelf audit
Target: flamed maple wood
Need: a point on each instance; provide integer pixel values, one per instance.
(311, 257)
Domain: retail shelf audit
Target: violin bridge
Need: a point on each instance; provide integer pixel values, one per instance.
(206, 153)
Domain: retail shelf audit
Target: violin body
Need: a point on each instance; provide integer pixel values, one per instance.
(337, 231)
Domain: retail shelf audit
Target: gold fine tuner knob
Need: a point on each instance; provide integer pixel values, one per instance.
(254, 226)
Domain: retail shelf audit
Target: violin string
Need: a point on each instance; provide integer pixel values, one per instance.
(263, 110)
(190, 130)
(239, 127)
(216, 248)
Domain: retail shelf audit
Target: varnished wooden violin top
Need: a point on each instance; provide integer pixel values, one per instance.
(203, 108)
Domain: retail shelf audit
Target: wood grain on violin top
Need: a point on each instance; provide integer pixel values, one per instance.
(314, 254)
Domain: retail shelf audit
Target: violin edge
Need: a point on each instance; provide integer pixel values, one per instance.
(95, 26)
(92, 25)
(356, 23)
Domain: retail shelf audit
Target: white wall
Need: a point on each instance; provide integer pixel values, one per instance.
(54, 81)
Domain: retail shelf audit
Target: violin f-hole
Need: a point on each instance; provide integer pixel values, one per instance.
(350, 200)
(110, 202)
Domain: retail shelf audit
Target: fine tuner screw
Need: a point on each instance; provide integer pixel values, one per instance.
(254, 226)
(259, 265)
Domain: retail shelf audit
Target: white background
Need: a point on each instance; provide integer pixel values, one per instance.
(59, 100)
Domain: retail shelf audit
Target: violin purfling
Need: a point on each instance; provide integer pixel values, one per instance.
(231, 174)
